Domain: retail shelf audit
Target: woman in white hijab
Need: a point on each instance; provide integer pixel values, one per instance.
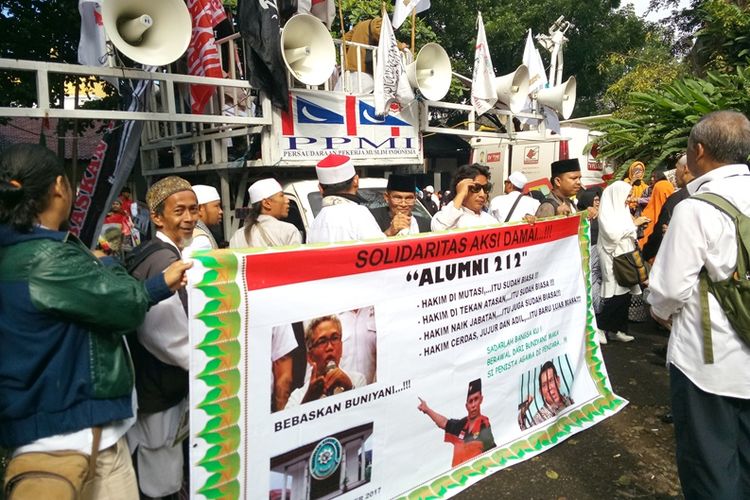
(617, 235)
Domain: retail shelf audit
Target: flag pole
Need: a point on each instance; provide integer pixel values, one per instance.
(343, 37)
(413, 29)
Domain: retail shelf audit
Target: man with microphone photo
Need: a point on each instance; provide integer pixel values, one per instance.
(323, 338)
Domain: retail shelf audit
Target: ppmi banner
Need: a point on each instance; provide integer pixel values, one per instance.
(406, 368)
(320, 123)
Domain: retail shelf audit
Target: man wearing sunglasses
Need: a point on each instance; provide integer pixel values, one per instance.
(323, 337)
(471, 185)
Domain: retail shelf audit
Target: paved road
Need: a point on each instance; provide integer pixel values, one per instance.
(630, 455)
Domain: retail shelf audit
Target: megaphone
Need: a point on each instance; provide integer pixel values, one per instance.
(561, 98)
(150, 32)
(430, 72)
(308, 50)
(512, 89)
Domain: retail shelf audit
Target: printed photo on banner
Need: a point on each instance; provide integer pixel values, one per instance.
(545, 392)
(325, 468)
(470, 435)
(323, 356)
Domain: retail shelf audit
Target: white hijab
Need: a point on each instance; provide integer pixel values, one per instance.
(615, 221)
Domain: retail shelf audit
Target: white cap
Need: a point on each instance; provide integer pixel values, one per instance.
(518, 179)
(334, 169)
(205, 194)
(262, 189)
(429, 189)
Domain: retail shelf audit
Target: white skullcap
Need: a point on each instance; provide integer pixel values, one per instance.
(429, 189)
(518, 179)
(334, 169)
(262, 189)
(205, 194)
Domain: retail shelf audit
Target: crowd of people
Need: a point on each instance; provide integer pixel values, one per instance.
(68, 389)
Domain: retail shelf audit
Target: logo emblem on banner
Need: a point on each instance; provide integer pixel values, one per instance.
(309, 112)
(325, 458)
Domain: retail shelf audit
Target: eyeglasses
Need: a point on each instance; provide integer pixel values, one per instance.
(321, 342)
(475, 188)
(398, 199)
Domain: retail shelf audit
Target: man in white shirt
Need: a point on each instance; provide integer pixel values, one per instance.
(513, 206)
(209, 214)
(263, 226)
(471, 185)
(343, 217)
(710, 400)
(161, 350)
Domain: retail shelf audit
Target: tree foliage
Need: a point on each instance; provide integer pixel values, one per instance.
(37, 30)
(660, 127)
(656, 122)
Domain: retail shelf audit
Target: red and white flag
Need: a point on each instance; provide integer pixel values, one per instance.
(92, 50)
(483, 95)
(203, 56)
(325, 10)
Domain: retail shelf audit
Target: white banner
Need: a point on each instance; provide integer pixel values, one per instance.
(405, 368)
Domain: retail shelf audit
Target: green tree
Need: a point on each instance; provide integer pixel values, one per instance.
(639, 70)
(37, 30)
(656, 121)
(661, 120)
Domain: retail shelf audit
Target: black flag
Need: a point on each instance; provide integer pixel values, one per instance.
(109, 168)
(258, 21)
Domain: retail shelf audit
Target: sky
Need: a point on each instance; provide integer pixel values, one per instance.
(642, 5)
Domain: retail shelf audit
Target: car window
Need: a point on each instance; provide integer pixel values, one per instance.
(373, 199)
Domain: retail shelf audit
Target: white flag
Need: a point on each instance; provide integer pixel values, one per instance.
(387, 69)
(325, 10)
(483, 95)
(390, 79)
(533, 61)
(92, 49)
(402, 9)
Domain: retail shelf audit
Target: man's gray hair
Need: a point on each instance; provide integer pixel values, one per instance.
(315, 322)
(725, 136)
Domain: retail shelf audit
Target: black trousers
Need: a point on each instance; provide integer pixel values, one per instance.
(614, 314)
(713, 441)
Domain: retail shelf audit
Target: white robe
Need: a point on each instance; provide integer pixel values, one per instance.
(342, 219)
(617, 235)
(274, 233)
(450, 217)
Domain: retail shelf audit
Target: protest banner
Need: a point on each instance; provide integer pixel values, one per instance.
(416, 366)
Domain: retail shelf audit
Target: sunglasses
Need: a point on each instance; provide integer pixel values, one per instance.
(475, 188)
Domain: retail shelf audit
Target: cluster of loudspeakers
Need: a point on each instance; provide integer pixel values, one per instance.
(157, 32)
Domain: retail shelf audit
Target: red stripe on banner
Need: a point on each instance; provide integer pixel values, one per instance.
(395, 131)
(287, 119)
(351, 115)
(272, 269)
